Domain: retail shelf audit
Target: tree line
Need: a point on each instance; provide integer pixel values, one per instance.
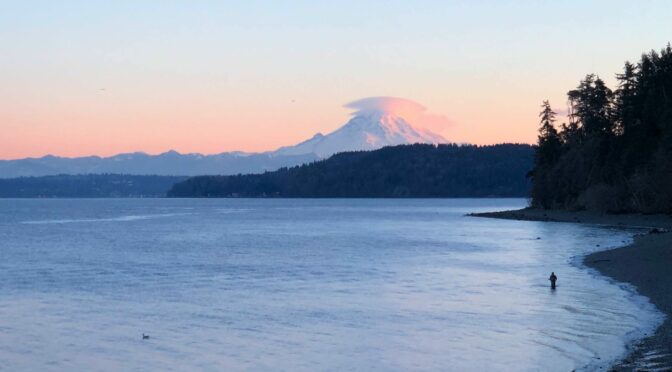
(614, 153)
(400, 171)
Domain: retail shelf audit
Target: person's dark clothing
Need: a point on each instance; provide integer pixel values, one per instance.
(553, 279)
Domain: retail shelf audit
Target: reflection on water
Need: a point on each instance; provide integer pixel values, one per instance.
(303, 285)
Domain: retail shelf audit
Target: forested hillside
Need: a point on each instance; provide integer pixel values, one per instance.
(614, 153)
(399, 171)
(87, 186)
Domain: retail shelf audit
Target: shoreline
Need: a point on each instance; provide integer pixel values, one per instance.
(646, 264)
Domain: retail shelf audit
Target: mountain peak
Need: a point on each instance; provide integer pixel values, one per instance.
(366, 130)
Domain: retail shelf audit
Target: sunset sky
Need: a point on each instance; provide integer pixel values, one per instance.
(104, 77)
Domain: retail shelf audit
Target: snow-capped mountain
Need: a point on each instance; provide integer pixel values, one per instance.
(369, 129)
(366, 131)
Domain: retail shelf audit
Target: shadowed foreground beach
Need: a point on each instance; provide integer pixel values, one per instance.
(646, 264)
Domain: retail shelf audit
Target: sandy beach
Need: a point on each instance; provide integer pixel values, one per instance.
(646, 264)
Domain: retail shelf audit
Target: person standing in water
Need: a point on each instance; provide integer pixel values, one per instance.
(553, 279)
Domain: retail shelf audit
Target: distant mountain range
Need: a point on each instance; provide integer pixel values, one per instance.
(365, 131)
(167, 164)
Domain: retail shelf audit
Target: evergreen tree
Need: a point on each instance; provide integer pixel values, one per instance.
(615, 152)
(548, 150)
(625, 99)
(591, 105)
(547, 154)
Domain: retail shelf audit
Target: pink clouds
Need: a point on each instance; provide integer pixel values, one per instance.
(412, 111)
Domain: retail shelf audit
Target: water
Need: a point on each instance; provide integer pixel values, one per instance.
(304, 285)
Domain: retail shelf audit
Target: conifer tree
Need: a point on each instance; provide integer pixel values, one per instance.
(615, 152)
(548, 141)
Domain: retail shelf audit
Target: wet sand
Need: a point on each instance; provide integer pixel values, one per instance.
(646, 264)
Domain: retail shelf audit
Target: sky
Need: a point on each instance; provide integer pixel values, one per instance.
(106, 77)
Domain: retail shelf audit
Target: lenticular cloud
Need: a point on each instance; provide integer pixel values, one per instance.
(410, 110)
(388, 105)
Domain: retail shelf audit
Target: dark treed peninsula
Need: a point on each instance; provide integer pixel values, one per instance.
(615, 152)
(399, 171)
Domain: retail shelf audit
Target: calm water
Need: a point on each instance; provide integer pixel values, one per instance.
(303, 285)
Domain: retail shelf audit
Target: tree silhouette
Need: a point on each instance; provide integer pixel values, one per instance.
(398, 171)
(614, 153)
(547, 154)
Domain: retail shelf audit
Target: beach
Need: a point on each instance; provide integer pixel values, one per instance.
(646, 264)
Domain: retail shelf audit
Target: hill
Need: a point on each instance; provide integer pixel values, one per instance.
(419, 170)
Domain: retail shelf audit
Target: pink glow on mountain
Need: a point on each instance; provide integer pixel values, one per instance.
(407, 109)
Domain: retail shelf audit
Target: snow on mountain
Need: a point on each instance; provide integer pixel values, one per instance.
(365, 131)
